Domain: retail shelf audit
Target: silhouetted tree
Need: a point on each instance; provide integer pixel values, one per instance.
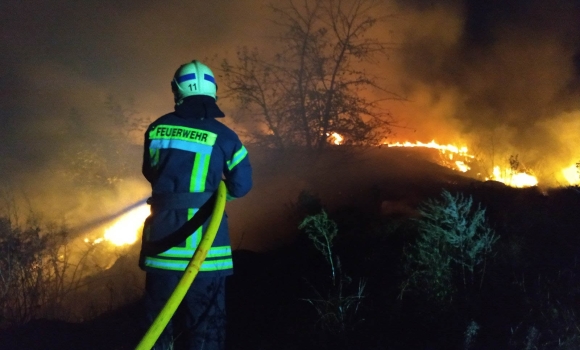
(315, 84)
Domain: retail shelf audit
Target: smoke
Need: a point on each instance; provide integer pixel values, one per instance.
(63, 60)
(502, 74)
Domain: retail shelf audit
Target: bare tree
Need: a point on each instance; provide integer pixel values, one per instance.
(316, 84)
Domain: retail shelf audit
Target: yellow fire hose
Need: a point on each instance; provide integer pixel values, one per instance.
(189, 274)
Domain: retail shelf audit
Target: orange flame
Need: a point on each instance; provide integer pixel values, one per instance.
(449, 151)
(335, 138)
(514, 179)
(510, 178)
(572, 174)
(125, 231)
(462, 151)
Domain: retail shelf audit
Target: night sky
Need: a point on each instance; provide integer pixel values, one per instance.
(60, 55)
(479, 72)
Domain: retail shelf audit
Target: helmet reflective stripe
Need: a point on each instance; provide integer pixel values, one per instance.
(191, 76)
(194, 78)
(209, 78)
(186, 77)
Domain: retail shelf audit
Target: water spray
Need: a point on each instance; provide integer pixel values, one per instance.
(93, 224)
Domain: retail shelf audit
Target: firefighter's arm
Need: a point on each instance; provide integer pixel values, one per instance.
(238, 173)
(147, 166)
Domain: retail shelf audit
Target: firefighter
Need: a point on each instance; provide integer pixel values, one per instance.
(186, 155)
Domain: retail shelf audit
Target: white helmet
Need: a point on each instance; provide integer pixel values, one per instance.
(191, 79)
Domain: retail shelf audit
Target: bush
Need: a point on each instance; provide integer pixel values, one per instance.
(43, 274)
(454, 240)
(21, 275)
(322, 231)
(337, 308)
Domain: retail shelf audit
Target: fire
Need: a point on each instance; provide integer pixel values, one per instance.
(462, 151)
(336, 138)
(95, 241)
(572, 174)
(462, 166)
(449, 152)
(514, 179)
(125, 231)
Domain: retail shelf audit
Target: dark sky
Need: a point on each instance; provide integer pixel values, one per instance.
(501, 74)
(63, 55)
(58, 55)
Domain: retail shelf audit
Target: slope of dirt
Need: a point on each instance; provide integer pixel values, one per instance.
(341, 177)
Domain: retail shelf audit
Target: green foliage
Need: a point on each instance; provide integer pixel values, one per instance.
(338, 312)
(470, 334)
(321, 231)
(454, 240)
(336, 308)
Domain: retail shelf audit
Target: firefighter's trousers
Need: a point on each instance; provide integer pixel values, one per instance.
(200, 321)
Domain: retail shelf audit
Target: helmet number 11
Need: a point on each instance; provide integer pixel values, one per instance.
(192, 87)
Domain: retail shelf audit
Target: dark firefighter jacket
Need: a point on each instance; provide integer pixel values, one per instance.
(186, 155)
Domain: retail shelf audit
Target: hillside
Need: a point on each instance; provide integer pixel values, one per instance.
(342, 177)
(525, 296)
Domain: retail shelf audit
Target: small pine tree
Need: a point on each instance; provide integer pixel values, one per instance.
(454, 239)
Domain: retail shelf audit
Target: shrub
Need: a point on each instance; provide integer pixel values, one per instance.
(454, 239)
(321, 231)
(21, 275)
(42, 273)
(337, 309)
(551, 313)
